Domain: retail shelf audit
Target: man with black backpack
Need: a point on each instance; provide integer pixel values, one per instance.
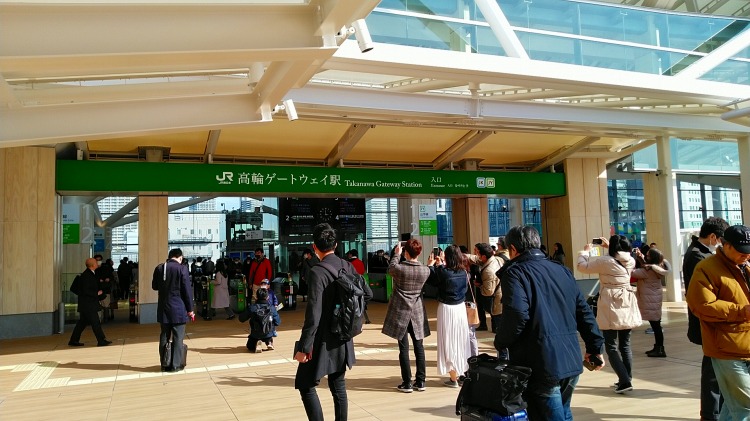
(324, 347)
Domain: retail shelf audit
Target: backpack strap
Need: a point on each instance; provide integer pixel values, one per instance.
(331, 269)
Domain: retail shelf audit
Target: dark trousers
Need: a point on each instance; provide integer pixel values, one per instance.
(88, 317)
(337, 385)
(403, 357)
(622, 361)
(658, 332)
(481, 308)
(711, 399)
(550, 401)
(176, 333)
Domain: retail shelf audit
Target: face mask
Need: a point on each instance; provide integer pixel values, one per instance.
(98, 262)
(712, 247)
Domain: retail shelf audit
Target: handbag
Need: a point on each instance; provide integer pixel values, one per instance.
(472, 313)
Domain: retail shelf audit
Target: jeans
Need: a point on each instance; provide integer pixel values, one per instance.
(337, 385)
(403, 357)
(551, 401)
(711, 399)
(473, 345)
(175, 332)
(734, 381)
(621, 361)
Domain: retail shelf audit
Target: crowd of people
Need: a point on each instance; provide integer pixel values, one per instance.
(536, 309)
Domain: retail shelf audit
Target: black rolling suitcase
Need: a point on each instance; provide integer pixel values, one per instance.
(165, 355)
(289, 292)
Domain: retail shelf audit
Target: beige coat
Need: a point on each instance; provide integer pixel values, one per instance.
(649, 291)
(617, 308)
(490, 282)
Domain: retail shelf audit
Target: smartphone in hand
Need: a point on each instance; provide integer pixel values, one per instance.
(597, 241)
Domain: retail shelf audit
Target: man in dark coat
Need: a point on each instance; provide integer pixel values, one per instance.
(319, 352)
(124, 276)
(543, 313)
(175, 305)
(701, 247)
(88, 305)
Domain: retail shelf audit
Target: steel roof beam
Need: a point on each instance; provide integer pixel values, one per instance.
(501, 28)
(80, 122)
(211, 142)
(457, 151)
(480, 68)
(351, 137)
(726, 51)
(564, 153)
(337, 101)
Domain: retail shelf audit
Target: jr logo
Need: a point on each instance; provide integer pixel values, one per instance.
(490, 182)
(480, 182)
(225, 178)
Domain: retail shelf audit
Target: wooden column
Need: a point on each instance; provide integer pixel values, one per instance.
(30, 234)
(471, 221)
(153, 247)
(582, 214)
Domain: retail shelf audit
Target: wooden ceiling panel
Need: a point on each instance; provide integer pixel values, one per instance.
(404, 144)
(281, 139)
(191, 143)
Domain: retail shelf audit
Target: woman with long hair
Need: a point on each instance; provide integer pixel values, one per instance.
(558, 254)
(448, 272)
(617, 311)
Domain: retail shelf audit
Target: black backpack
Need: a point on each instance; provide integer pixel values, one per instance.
(261, 321)
(75, 287)
(349, 303)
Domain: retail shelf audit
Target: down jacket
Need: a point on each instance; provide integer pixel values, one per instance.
(717, 295)
(617, 306)
(649, 291)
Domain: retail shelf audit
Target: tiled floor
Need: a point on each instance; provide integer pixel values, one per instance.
(44, 379)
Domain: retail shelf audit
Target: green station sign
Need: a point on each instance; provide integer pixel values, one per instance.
(176, 178)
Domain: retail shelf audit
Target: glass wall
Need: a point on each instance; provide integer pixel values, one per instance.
(698, 201)
(382, 224)
(568, 31)
(626, 208)
(499, 210)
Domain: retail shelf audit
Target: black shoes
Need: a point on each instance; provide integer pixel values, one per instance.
(419, 386)
(623, 387)
(405, 387)
(480, 327)
(231, 317)
(75, 343)
(172, 369)
(103, 343)
(657, 352)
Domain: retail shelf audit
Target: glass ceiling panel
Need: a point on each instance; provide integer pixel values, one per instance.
(693, 155)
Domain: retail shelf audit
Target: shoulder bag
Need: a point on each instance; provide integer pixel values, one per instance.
(472, 314)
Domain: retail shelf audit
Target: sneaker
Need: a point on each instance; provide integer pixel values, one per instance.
(405, 387)
(419, 386)
(450, 383)
(269, 347)
(258, 348)
(622, 388)
(615, 385)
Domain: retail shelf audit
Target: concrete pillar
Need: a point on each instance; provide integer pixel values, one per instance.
(153, 247)
(30, 242)
(574, 219)
(471, 221)
(743, 146)
(408, 221)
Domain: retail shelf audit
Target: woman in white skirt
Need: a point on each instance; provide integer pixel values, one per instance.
(448, 272)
